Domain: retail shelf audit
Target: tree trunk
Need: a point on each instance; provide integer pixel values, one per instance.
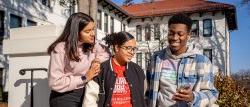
(84, 6)
(88, 7)
(93, 9)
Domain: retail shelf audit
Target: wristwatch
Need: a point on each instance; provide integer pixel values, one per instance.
(84, 78)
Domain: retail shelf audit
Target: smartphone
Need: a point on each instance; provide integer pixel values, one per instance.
(184, 86)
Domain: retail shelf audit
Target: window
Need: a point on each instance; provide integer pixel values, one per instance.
(147, 33)
(157, 32)
(112, 25)
(124, 27)
(207, 28)
(15, 21)
(31, 23)
(147, 60)
(208, 53)
(139, 59)
(46, 3)
(1, 80)
(121, 26)
(1, 24)
(106, 22)
(195, 28)
(138, 33)
(99, 19)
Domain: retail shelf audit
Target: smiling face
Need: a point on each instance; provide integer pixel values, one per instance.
(125, 52)
(177, 38)
(87, 34)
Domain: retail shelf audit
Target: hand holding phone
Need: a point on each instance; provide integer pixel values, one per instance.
(184, 93)
(184, 87)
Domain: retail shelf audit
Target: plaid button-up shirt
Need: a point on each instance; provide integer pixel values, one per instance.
(195, 69)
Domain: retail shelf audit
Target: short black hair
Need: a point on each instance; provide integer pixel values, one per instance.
(181, 19)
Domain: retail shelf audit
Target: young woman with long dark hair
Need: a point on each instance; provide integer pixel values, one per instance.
(75, 59)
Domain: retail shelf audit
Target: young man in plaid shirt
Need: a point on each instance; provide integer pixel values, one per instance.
(180, 75)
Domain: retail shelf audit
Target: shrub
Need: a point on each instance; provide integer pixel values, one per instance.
(230, 94)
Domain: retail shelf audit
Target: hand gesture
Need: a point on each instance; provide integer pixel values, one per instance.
(93, 70)
(184, 94)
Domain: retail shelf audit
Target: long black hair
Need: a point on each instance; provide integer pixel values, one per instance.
(117, 38)
(70, 35)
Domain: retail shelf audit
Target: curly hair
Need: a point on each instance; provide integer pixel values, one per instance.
(117, 38)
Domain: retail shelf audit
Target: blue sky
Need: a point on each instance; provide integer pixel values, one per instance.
(240, 38)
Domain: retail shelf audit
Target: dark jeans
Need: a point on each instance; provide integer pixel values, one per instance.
(67, 99)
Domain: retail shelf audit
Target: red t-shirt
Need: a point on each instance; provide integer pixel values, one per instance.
(121, 93)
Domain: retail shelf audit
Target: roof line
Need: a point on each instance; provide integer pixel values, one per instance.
(118, 7)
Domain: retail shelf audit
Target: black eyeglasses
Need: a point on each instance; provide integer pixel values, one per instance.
(129, 48)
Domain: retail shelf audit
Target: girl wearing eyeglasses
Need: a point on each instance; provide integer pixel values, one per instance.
(120, 79)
